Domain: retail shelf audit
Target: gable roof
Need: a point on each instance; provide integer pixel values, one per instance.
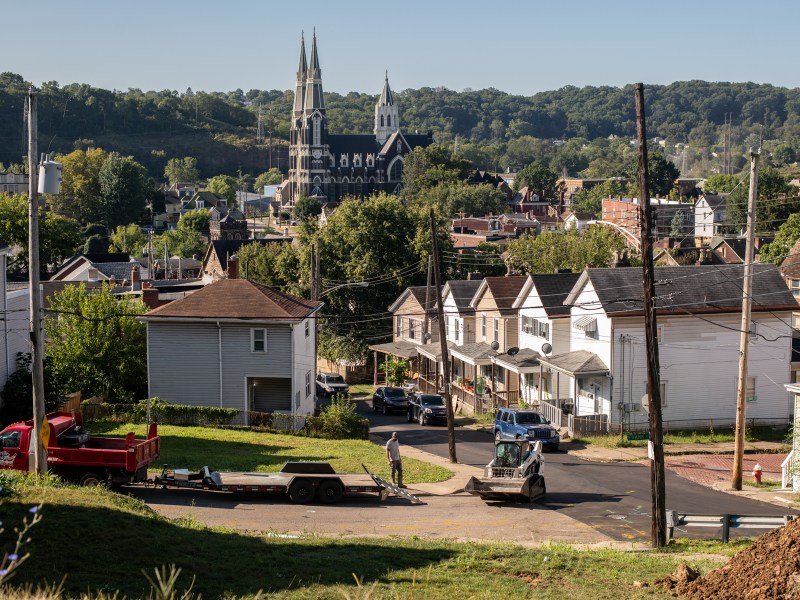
(463, 291)
(419, 292)
(552, 289)
(713, 200)
(504, 291)
(693, 289)
(237, 299)
(222, 248)
(790, 267)
(578, 361)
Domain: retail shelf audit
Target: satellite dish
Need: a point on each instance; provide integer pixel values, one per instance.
(547, 348)
(495, 345)
(512, 351)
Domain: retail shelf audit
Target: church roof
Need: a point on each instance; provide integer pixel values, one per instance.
(353, 143)
(386, 99)
(303, 67)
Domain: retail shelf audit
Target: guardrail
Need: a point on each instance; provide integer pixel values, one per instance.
(787, 471)
(725, 522)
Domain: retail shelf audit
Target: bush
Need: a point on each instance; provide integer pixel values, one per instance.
(339, 421)
(160, 412)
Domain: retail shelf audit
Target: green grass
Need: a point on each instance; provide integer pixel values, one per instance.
(359, 389)
(243, 450)
(102, 542)
(766, 484)
(707, 436)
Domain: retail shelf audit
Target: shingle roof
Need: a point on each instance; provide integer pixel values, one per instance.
(553, 289)
(463, 290)
(697, 288)
(224, 247)
(790, 267)
(237, 299)
(118, 270)
(525, 358)
(505, 290)
(476, 351)
(579, 361)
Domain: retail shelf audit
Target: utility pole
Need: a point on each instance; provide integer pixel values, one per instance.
(451, 434)
(426, 328)
(40, 427)
(658, 511)
(744, 339)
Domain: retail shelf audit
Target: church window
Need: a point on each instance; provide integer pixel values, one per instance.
(396, 171)
(381, 120)
(343, 160)
(388, 120)
(370, 160)
(317, 129)
(399, 147)
(357, 160)
(359, 187)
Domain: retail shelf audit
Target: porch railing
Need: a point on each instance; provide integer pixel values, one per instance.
(426, 386)
(787, 472)
(552, 413)
(506, 399)
(587, 424)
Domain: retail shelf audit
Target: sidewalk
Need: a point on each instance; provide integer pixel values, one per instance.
(601, 454)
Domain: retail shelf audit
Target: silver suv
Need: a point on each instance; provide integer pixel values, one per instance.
(329, 384)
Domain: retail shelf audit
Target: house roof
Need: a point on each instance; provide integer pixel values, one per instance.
(222, 248)
(553, 289)
(476, 352)
(237, 299)
(714, 200)
(577, 362)
(419, 293)
(118, 270)
(790, 267)
(400, 348)
(462, 290)
(504, 291)
(693, 288)
(525, 359)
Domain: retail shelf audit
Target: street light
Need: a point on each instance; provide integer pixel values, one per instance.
(361, 284)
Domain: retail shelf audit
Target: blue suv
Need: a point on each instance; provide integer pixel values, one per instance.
(518, 424)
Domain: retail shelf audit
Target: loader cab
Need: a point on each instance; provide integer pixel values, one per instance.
(511, 453)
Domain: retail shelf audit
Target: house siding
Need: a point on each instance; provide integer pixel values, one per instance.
(507, 336)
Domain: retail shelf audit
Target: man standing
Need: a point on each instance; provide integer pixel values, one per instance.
(393, 456)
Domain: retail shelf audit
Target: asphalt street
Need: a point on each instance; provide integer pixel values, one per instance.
(612, 498)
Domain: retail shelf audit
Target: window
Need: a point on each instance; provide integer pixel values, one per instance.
(412, 329)
(317, 131)
(308, 329)
(456, 328)
(794, 284)
(396, 171)
(308, 384)
(753, 331)
(399, 329)
(544, 330)
(389, 124)
(258, 340)
(343, 160)
(483, 325)
(750, 393)
(399, 147)
(381, 120)
(496, 329)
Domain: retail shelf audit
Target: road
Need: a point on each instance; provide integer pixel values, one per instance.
(612, 498)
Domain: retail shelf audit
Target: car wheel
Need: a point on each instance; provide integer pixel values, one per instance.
(497, 436)
(330, 492)
(301, 492)
(422, 419)
(385, 410)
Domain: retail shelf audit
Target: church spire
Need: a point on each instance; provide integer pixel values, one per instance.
(313, 94)
(386, 98)
(300, 86)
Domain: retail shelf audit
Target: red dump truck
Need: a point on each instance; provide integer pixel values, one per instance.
(77, 456)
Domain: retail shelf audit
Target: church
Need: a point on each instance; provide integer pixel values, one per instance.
(331, 167)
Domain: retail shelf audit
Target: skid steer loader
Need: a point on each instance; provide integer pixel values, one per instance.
(515, 473)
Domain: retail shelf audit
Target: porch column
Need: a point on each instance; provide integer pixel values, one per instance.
(492, 395)
(539, 387)
(375, 369)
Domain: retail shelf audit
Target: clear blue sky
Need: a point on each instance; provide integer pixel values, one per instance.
(521, 47)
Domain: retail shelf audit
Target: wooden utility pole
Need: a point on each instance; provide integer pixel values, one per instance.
(37, 338)
(448, 401)
(658, 511)
(744, 339)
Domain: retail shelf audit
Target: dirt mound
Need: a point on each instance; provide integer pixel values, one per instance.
(682, 576)
(769, 569)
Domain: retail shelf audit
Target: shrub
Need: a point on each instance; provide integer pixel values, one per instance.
(339, 421)
(161, 412)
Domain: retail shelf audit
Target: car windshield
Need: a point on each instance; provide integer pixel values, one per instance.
(529, 418)
(431, 400)
(394, 392)
(335, 379)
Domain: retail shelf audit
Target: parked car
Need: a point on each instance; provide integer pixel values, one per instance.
(329, 384)
(390, 399)
(427, 409)
(518, 424)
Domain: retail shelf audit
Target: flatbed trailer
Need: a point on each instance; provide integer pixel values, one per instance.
(302, 482)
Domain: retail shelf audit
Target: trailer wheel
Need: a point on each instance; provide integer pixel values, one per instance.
(301, 491)
(91, 480)
(330, 492)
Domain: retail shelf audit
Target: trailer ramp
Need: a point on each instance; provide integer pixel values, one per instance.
(393, 488)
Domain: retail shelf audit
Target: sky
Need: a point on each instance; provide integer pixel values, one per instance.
(521, 47)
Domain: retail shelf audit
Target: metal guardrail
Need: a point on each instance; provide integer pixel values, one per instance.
(725, 522)
(787, 471)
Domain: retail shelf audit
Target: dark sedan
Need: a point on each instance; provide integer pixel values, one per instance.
(389, 399)
(427, 409)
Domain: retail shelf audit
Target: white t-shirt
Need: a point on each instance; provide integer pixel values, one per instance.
(393, 446)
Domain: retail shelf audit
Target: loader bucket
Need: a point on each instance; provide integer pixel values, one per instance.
(528, 488)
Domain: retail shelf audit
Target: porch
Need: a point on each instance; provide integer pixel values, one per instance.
(397, 349)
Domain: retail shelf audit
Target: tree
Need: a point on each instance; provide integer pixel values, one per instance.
(96, 345)
(661, 172)
(781, 246)
(425, 168)
(271, 177)
(128, 238)
(196, 220)
(183, 242)
(775, 203)
(275, 264)
(680, 226)
(721, 183)
(306, 208)
(80, 185)
(123, 190)
(181, 170)
(540, 179)
(95, 244)
(450, 200)
(592, 200)
(571, 249)
(59, 237)
(224, 185)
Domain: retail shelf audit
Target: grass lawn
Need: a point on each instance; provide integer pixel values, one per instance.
(708, 436)
(102, 541)
(243, 450)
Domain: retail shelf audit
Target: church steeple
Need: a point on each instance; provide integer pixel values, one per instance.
(300, 86)
(387, 115)
(313, 93)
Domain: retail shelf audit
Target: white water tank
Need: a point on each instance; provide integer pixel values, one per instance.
(49, 176)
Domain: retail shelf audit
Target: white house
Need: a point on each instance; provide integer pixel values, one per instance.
(14, 335)
(699, 314)
(710, 215)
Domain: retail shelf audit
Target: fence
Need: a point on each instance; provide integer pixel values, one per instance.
(710, 423)
(725, 522)
(587, 425)
(788, 475)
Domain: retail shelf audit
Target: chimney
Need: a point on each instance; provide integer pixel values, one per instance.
(136, 283)
(150, 297)
(474, 276)
(233, 267)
